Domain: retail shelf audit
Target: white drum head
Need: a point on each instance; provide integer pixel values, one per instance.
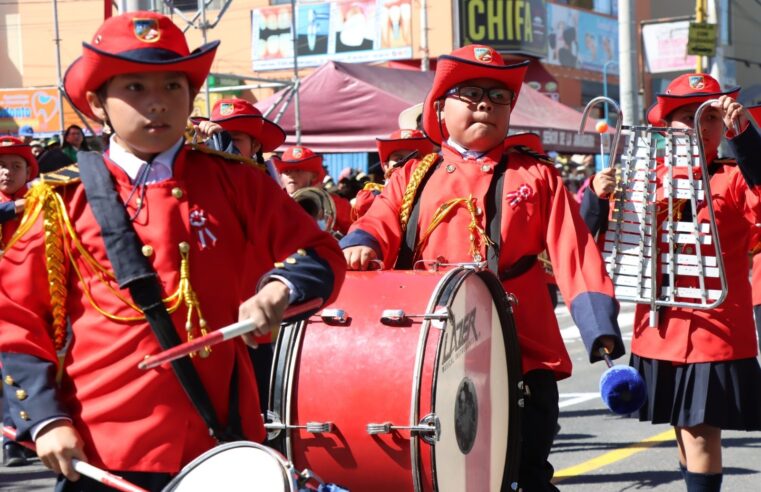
(235, 467)
(472, 399)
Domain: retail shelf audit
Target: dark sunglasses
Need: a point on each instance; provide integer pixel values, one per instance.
(473, 94)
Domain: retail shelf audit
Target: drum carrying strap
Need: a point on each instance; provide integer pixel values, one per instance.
(133, 271)
(407, 248)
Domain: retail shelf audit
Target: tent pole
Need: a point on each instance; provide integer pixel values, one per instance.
(296, 81)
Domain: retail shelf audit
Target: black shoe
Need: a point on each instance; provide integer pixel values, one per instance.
(14, 454)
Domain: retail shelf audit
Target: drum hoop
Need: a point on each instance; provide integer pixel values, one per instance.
(288, 471)
(281, 394)
(294, 350)
(438, 293)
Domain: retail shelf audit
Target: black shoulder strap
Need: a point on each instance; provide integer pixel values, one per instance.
(133, 271)
(493, 207)
(407, 248)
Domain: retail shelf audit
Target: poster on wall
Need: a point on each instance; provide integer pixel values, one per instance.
(507, 26)
(39, 108)
(344, 30)
(580, 39)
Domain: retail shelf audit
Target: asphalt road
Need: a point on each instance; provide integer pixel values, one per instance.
(595, 450)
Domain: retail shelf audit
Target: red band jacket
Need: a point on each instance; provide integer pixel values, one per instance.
(136, 420)
(686, 335)
(538, 213)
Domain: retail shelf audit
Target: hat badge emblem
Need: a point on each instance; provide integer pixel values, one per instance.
(146, 30)
(483, 54)
(298, 153)
(406, 134)
(696, 82)
(226, 109)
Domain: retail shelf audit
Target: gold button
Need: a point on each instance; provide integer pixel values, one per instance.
(21, 394)
(290, 260)
(177, 193)
(450, 168)
(279, 264)
(479, 211)
(9, 380)
(139, 202)
(23, 415)
(184, 247)
(302, 252)
(147, 250)
(485, 168)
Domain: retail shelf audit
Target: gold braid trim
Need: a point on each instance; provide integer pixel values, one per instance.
(229, 156)
(409, 193)
(474, 228)
(42, 198)
(370, 186)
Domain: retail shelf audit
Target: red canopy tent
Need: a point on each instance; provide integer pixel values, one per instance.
(345, 107)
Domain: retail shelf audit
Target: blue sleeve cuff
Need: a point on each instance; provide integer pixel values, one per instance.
(594, 210)
(596, 315)
(307, 275)
(30, 389)
(7, 211)
(358, 237)
(747, 147)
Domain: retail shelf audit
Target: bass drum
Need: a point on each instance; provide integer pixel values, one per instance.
(240, 466)
(408, 382)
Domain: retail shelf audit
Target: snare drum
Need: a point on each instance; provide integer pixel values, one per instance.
(408, 382)
(240, 466)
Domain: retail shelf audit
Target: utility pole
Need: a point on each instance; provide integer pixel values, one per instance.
(627, 62)
(204, 26)
(424, 58)
(296, 80)
(700, 17)
(58, 67)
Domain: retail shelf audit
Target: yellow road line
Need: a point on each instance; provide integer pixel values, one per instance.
(613, 456)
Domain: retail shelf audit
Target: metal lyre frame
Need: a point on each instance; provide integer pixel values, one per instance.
(634, 238)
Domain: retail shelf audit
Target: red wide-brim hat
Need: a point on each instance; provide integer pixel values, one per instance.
(15, 146)
(239, 115)
(135, 42)
(403, 140)
(467, 63)
(686, 89)
(301, 159)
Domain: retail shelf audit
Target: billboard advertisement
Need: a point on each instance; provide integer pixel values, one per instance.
(665, 47)
(580, 39)
(344, 30)
(506, 26)
(39, 108)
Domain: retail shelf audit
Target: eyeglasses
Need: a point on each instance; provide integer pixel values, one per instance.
(473, 94)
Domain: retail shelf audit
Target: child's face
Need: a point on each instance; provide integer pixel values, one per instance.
(711, 124)
(14, 173)
(296, 179)
(246, 145)
(147, 111)
(477, 125)
(395, 157)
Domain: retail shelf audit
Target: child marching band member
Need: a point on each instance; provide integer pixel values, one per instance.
(394, 152)
(755, 282)
(18, 166)
(300, 168)
(482, 192)
(172, 224)
(700, 366)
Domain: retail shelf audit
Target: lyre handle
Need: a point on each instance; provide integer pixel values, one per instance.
(619, 123)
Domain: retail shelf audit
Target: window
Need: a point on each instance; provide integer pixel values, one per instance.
(192, 5)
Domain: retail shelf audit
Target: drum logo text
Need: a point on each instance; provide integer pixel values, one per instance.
(457, 340)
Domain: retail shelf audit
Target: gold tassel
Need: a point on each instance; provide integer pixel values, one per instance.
(190, 299)
(475, 231)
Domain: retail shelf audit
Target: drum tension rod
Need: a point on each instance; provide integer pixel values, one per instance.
(311, 427)
(399, 317)
(429, 428)
(334, 316)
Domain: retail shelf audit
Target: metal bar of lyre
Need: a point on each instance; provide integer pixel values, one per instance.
(650, 260)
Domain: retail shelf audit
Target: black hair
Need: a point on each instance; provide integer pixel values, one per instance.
(66, 144)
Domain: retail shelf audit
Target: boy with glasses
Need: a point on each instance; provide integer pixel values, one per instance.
(487, 190)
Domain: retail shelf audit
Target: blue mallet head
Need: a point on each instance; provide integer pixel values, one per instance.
(622, 389)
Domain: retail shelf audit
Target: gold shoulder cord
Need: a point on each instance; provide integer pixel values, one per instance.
(409, 193)
(373, 187)
(43, 198)
(229, 156)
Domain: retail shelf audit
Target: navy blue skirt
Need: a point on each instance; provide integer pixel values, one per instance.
(724, 394)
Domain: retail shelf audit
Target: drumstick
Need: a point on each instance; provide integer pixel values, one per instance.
(218, 336)
(102, 476)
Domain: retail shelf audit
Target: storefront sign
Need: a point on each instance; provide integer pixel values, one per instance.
(516, 26)
(665, 47)
(39, 108)
(580, 39)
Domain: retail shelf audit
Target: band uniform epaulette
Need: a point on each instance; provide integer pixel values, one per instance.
(370, 186)
(63, 176)
(543, 158)
(229, 156)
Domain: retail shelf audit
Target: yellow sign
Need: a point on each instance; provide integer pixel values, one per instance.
(702, 39)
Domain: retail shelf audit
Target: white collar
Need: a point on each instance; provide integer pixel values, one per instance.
(131, 164)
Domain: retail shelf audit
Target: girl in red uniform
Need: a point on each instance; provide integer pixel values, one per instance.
(700, 365)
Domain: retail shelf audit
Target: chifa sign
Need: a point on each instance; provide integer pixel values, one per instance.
(517, 26)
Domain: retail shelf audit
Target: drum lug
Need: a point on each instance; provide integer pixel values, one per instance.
(397, 317)
(429, 428)
(334, 316)
(275, 426)
(512, 300)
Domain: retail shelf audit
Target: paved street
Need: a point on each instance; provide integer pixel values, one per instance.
(595, 449)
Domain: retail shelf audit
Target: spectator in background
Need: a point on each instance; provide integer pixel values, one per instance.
(38, 147)
(73, 142)
(52, 157)
(26, 134)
